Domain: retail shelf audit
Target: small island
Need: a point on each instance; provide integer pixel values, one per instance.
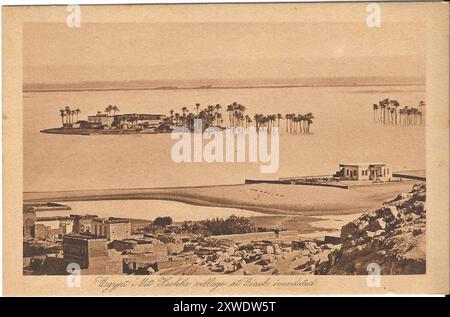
(109, 122)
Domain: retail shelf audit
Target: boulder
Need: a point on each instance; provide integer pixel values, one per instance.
(389, 212)
(417, 231)
(231, 250)
(348, 230)
(376, 224)
(332, 240)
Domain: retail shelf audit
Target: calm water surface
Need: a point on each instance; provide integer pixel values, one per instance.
(148, 210)
(342, 131)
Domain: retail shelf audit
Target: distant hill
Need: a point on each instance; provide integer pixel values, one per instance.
(222, 83)
(232, 73)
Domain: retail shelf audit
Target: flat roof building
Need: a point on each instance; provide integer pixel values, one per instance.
(112, 228)
(84, 249)
(364, 171)
(50, 228)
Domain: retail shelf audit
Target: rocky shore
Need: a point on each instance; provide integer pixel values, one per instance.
(393, 236)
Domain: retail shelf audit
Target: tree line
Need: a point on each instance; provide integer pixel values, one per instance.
(211, 116)
(388, 111)
(67, 115)
(237, 117)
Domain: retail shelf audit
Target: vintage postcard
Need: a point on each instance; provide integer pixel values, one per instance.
(245, 149)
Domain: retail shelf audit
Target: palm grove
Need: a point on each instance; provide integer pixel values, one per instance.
(211, 116)
(388, 111)
(237, 117)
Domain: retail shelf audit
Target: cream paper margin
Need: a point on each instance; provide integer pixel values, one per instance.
(436, 15)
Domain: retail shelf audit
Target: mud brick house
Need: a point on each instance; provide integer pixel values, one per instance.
(51, 228)
(112, 228)
(83, 223)
(28, 223)
(91, 254)
(83, 249)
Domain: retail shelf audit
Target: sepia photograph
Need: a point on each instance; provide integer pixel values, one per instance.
(226, 140)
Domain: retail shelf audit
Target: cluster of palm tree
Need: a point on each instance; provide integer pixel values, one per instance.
(388, 111)
(294, 123)
(299, 123)
(68, 115)
(111, 108)
(237, 116)
(210, 116)
(267, 121)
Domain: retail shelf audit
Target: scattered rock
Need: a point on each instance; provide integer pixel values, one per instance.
(392, 236)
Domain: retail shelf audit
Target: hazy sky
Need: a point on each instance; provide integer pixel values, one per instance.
(54, 52)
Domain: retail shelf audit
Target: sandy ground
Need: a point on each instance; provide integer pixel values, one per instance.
(272, 199)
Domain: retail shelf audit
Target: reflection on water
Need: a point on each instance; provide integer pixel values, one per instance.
(148, 210)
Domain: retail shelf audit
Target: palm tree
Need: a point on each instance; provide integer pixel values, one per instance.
(219, 119)
(383, 104)
(395, 105)
(197, 105)
(375, 112)
(309, 120)
(115, 109)
(288, 122)
(218, 107)
(272, 119)
(248, 121)
(77, 112)
(279, 117)
(62, 113)
(408, 115)
(257, 118)
(108, 109)
(421, 105)
(68, 113)
(171, 115)
(391, 109)
(230, 109)
(401, 115)
(183, 117)
(415, 111)
(300, 125)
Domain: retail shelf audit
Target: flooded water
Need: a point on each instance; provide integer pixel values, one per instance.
(148, 210)
(342, 131)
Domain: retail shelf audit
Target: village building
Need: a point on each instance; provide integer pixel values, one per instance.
(29, 217)
(91, 254)
(364, 171)
(52, 228)
(112, 228)
(122, 121)
(82, 224)
(102, 119)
